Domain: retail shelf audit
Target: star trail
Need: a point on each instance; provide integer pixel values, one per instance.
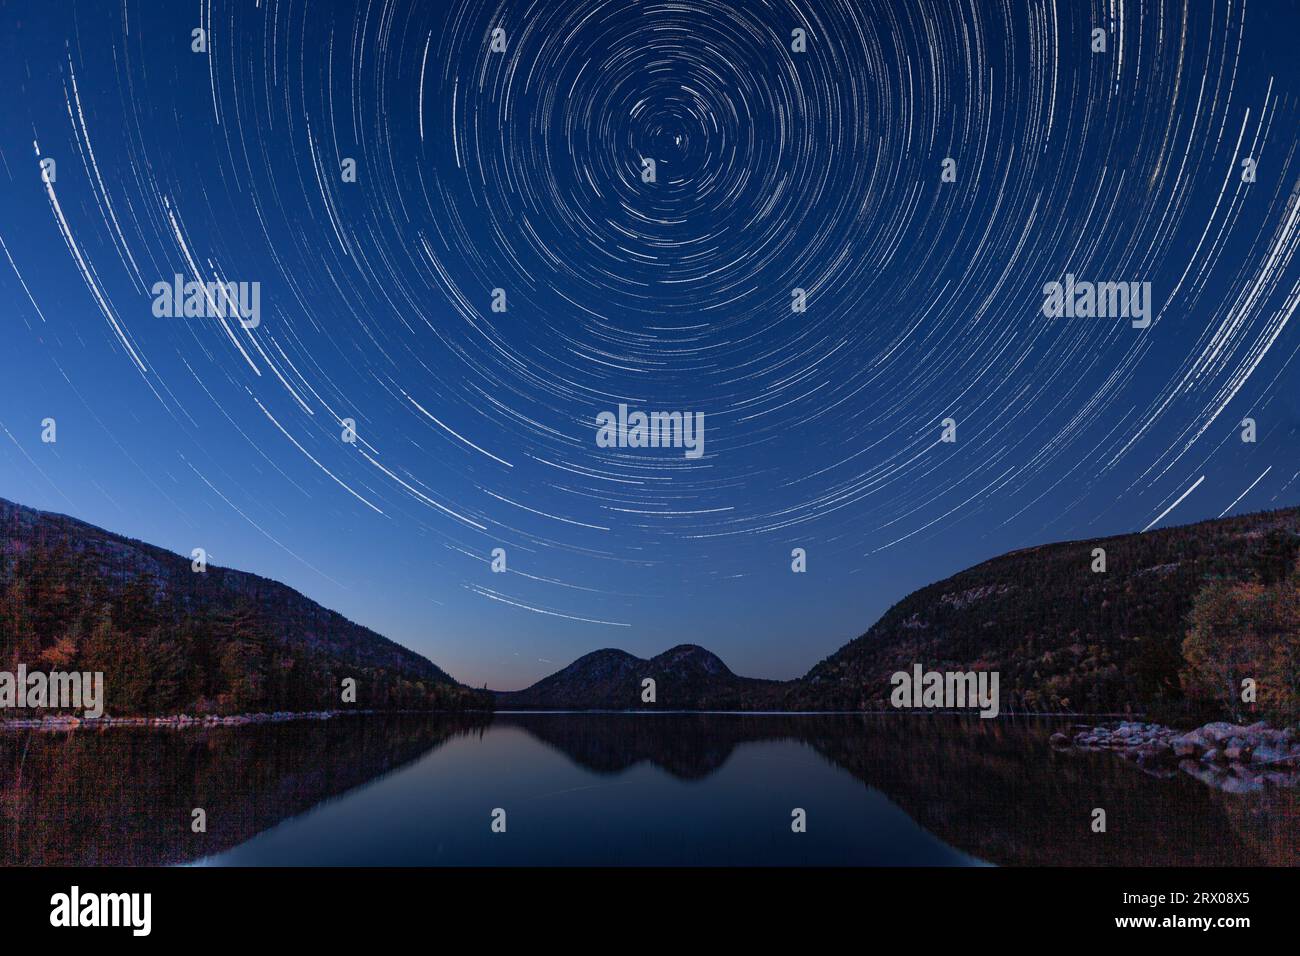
(840, 242)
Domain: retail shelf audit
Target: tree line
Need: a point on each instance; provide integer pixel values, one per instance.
(163, 652)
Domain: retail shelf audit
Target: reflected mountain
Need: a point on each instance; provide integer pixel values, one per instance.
(595, 788)
(125, 797)
(991, 788)
(613, 743)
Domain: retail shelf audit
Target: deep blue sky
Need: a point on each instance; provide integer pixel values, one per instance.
(522, 170)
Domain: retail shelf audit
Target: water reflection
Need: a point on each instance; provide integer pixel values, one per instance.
(617, 789)
(125, 797)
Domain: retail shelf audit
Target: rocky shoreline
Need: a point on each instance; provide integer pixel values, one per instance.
(64, 722)
(1233, 758)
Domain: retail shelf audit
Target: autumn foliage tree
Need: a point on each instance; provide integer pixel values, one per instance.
(164, 652)
(1241, 631)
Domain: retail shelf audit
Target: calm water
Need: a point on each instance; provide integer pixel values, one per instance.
(616, 789)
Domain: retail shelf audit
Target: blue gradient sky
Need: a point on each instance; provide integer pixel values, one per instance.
(521, 170)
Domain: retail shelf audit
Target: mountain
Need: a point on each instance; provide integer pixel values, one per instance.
(1177, 615)
(1064, 637)
(172, 640)
(687, 677)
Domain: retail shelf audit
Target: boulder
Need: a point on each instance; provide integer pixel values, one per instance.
(1234, 784)
(1237, 749)
(1190, 744)
(1151, 752)
(1275, 755)
(1210, 776)
(1221, 731)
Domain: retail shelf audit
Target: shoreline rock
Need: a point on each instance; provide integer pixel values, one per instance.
(67, 722)
(1229, 757)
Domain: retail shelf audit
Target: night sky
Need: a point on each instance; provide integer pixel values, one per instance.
(522, 171)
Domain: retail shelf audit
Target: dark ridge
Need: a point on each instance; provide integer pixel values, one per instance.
(171, 640)
(687, 677)
(1062, 637)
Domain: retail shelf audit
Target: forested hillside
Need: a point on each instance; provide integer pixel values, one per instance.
(172, 640)
(1178, 618)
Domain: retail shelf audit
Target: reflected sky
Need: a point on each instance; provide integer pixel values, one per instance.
(437, 812)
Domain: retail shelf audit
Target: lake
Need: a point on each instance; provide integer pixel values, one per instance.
(616, 789)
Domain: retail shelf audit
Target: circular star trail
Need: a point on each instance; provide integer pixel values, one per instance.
(799, 151)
